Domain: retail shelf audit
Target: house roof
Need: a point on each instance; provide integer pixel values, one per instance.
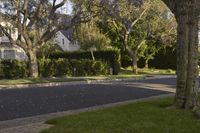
(68, 34)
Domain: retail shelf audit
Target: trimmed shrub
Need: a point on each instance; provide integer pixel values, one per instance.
(54, 67)
(62, 67)
(165, 59)
(1, 71)
(111, 57)
(65, 67)
(14, 69)
(10, 69)
(127, 62)
(46, 67)
(88, 68)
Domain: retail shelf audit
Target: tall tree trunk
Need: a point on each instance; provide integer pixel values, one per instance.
(132, 53)
(187, 56)
(182, 61)
(134, 61)
(33, 66)
(192, 70)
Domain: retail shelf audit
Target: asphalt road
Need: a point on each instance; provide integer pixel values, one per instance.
(18, 103)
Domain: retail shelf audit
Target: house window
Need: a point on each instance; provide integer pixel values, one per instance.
(9, 54)
(63, 41)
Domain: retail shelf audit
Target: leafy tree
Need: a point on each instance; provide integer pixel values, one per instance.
(37, 21)
(90, 37)
(187, 14)
(131, 32)
(122, 15)
(158, 30)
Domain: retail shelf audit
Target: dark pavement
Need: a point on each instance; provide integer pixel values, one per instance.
(18, 103)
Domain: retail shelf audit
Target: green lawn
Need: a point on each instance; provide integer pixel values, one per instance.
(141, 117)
(34, 81)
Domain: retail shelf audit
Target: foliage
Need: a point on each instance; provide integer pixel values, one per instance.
(125, 60)
(13, 69)
(64, 67)
(46, 67)
(36, 22)
(90, 37)
(164, 59)
(1, 71)
(54, 67)
(148, 30)
(47, 48)
(111, 57)
(88, 68)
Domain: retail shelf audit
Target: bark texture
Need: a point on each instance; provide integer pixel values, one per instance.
(33, 66)
(186, 13)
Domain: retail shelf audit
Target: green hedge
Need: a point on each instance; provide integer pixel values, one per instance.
(64, 67)
(164, 59)
(57, 68)
(13, 69)
(111, 57)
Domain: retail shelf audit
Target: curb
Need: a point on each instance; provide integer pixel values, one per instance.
(21, 86)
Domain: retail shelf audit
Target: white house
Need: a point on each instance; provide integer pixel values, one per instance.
(7, 51)
(11, 52)
(64, 39)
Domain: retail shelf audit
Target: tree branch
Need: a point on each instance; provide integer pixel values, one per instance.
(141, 15)
(2, 28)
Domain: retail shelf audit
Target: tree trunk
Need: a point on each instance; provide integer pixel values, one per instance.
(134, 61)
(187, 56)
(182, 61)
(33, 66)
(192, 70)
(146, 63)
(132, 53)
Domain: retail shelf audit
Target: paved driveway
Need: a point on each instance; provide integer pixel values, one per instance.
(18, 103)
